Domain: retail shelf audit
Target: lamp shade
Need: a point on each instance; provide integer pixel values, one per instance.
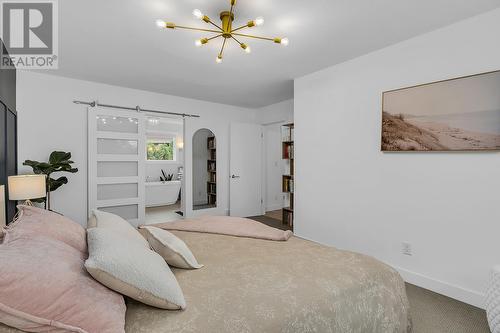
(2, 206)
(26, 187)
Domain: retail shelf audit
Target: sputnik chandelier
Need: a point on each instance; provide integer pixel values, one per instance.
(225, 30)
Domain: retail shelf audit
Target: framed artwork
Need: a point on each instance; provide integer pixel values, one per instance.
(461, 114)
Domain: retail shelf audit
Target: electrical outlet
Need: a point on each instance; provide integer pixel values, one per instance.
(406, 249)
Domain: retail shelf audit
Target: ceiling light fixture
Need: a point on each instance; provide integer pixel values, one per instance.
(224, 30)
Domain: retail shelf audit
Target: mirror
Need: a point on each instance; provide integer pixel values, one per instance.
(204, 170)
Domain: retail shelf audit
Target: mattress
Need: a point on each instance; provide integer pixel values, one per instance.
(252, 285)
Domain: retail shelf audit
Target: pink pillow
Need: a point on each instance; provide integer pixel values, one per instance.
(35, 221)
(44, 286)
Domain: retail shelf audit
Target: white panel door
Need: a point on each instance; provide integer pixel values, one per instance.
(246, 170)
(116, 158)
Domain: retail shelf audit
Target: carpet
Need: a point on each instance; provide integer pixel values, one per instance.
(435, 313)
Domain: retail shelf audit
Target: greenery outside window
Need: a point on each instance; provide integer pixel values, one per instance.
(161, 150)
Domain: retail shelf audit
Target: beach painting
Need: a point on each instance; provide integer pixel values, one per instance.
(454, 115)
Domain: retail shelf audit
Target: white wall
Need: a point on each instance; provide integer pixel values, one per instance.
(48, 120)
(279, 112)
(352, 196)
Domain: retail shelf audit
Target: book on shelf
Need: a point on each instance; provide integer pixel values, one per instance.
(211, 144)
(213, 177)
(288, 186)
(211, 188)
(288, 151)
(212, 166)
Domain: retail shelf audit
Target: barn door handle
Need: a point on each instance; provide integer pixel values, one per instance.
(234, 176)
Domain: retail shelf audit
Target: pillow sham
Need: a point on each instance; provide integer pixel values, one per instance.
(175, 252)
(102, 219)
(34, 221)
(132, 270)
(44, 287)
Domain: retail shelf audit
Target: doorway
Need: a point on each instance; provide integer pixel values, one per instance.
(164, 169)
(204, 148)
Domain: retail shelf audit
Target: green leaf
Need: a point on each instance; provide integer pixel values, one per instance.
(59, 161)
(54, 184)
(58, 157)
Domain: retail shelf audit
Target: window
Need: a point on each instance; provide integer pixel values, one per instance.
(160, 149)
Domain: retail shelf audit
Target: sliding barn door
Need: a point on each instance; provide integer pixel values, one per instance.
(116, 156)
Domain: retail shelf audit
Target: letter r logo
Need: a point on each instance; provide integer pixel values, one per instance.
(27, 27)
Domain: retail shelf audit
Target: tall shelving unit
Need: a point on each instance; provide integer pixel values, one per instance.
(288, 182)
(212, 171)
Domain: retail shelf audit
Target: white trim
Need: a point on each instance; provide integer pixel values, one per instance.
(117, 202)
(117, 158)
(117, 180)
(453, 291)
(117, 136)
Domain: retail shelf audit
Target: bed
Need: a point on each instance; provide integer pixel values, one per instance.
(252, 285)
(255, 285)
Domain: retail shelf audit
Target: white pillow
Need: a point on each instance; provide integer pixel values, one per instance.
(171, 248)
(107, 220)
(132, 270)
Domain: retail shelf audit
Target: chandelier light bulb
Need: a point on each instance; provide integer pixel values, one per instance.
(161, 23)
(218, 59)
(198, 42)
(198, 14)
(248, 50)
(259, 21)
(285, 41)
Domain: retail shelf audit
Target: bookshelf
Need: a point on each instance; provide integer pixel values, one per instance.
(212, 171)
(288, 182)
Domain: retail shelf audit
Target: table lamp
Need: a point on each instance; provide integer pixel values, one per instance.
(27, 187)
(2, 206)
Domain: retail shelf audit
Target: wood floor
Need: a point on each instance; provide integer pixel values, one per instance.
(272, 222)
(275, 214)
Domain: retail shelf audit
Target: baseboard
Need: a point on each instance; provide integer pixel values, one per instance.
(456, 292)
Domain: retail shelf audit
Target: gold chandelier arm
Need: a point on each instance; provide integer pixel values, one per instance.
(239, 28)
(222, 49)
(214, 37)
(233, 3)
(237, 41)
(215, 25)
(256, 37)
(196, 29)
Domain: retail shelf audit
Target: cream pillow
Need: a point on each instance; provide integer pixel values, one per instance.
(132, 270)
(102, 219)
(172, 249)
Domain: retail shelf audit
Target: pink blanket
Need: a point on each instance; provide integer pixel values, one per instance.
(230, 226)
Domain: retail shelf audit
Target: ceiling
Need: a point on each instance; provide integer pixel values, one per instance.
(117, 42)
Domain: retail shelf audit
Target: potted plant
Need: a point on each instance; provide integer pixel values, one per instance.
(59, 161)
